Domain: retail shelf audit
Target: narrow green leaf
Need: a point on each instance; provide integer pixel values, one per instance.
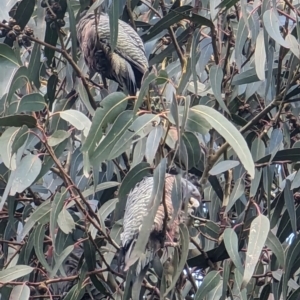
(237, 289)
(51, 35)
(100, 187)
(18, 121)
(273, 243)
(29, 103)
(144, 88)
(223, 166)
(292, 255)
(258, 149)
(76, 292)
(194, 56)
(290, 155)
(185, 240)
(105, 210)
(111, 107)
(216, 78)
(139, 128)
(162, 77)
(34, 65)
(57, 137)
(24, 12)
(20, 292)
(194, 122)
(20, 139)
(115, 236)
(265, 293)
(60, 260)
(26, 173)
(14, 273)
(216, 293)
(259, 231)
(65, 221)
(260, 56)
(231, 243)
(174, 16)
(210, 281)
(152, 144)
(237, 192)
(275, 142)
(295, 295)
(20, 78)
(7, 53)
(296, 181)
(230, 133)
(41, 214)
(226, 274)
(241, 37)
(56, 208)
(271, 24)
(39, 235)
(284, 223)
(227, 4)
(77, 119)
(193, 148)
(295, 47)
(289, 202)
(103, 149)
(51, 89)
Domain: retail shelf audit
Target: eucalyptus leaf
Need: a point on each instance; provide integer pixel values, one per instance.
(77, 119)
(271, 23)
(259, 231)
(211, 280)
(14, 273)
(216, 77)
(231, 244)
(229, 132)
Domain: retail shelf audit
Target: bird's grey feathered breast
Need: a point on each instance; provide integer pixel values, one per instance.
(126, 64)
(137, 207)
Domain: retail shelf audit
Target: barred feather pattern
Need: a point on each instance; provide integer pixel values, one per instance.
(137, 208)
(126, 65)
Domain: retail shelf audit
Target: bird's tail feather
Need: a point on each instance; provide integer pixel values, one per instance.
(126, 259)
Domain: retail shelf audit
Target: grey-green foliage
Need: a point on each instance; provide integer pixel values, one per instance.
(220, 105)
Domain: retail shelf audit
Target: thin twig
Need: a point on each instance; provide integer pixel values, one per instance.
(151, 8)
(210, 263)
(66, 55)
(76, 193)
(182, 59)
(190, 277)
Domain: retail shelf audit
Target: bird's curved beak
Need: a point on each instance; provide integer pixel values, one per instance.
(194, 202)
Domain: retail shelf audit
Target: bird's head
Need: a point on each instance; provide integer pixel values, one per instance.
(190, 193)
